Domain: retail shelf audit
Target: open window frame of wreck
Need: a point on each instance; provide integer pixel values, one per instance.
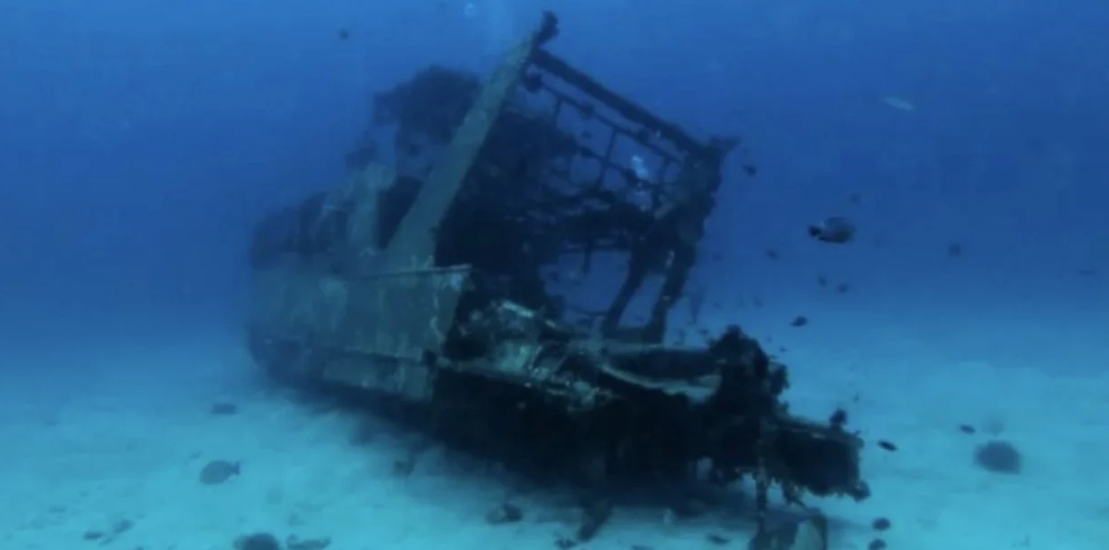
(567, 197)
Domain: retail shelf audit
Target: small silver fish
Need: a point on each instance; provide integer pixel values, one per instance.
(899, 103)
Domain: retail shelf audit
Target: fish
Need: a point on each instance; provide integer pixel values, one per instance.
(901, 104)
(218, 471)
(834, 230)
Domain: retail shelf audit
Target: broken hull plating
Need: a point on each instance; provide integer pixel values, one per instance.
(505, 382)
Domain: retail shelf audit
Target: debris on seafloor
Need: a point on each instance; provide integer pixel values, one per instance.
(881, 524)
(809, 533)
(294, 542)
(877, 544)
(594, 515)
(109, 535)
(257, 541)
(998, 456)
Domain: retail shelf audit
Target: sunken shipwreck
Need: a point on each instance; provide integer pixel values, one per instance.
(482, 281)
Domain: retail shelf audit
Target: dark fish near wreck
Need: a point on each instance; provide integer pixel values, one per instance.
(835, 230)
(219, 471)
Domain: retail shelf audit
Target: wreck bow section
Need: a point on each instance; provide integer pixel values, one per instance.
(510, 274)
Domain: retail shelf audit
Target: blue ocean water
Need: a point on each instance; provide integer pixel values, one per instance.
(969, 142)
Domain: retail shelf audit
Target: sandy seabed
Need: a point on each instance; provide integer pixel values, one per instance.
(112, 439)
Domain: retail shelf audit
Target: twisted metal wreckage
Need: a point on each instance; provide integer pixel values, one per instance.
(440, 281)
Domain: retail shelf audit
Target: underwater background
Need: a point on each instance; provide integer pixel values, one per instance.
(969, 141)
